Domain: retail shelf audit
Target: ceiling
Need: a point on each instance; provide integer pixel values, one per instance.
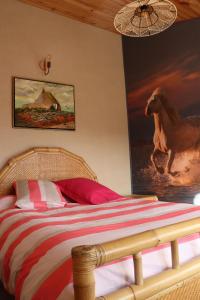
(101, 13)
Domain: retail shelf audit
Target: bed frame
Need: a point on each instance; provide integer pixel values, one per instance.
(43, 163)
(179, 282)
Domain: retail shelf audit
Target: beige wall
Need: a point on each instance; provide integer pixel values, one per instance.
(82, 55)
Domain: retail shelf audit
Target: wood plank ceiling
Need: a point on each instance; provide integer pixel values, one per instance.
(101, 13)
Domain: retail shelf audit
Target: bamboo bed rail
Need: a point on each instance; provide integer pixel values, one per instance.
(87, 258)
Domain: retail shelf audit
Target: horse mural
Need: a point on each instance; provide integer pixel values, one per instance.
(172, 134)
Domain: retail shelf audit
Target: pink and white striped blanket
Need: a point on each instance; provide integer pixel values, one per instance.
(35, 245)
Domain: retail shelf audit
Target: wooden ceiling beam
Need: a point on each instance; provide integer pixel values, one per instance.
(102, 13)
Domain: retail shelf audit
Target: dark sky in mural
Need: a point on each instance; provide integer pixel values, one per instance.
(170, 60)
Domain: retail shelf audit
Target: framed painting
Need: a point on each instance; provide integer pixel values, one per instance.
(42, 104)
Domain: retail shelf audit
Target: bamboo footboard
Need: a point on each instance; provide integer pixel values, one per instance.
(174, 283)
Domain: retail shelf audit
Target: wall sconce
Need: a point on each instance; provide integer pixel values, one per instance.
(45, 64)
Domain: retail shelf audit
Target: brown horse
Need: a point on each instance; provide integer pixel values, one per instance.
(173, 134)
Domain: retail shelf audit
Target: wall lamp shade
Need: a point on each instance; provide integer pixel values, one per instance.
(142, 18)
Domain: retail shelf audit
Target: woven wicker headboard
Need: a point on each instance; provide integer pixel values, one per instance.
(43, 163)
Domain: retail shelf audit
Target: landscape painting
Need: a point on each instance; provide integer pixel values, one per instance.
(163, 102)
(41, 104)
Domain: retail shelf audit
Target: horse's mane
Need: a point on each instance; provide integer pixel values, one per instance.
(170, 109)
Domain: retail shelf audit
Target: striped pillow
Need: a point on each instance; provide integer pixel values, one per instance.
(38, 194)
(7, 202)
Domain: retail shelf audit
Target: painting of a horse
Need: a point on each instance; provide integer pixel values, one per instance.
(172, 134)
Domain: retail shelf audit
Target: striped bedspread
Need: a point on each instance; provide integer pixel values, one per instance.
(35, 246)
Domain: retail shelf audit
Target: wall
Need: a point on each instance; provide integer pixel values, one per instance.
(82, 55)
(171, 61)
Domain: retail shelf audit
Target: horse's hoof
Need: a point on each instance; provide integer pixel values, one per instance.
(175, 174)
(187, 169)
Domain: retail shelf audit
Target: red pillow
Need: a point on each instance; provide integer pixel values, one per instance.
(86, 191)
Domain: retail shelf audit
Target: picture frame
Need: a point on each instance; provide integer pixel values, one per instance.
(43, 104)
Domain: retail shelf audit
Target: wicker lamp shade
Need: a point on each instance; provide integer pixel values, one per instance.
(145, 17)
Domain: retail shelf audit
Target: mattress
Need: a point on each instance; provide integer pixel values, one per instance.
(35, 245)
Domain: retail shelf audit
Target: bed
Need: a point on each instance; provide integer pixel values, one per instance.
(117, 268)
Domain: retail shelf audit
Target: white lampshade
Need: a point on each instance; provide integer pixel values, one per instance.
(196, 200)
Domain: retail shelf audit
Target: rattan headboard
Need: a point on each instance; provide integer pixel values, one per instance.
(43, 163)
